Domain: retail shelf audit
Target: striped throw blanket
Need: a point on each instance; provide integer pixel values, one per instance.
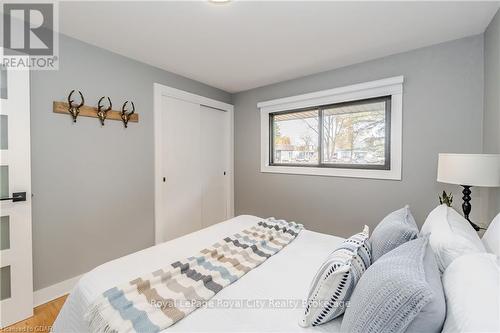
(158, 300)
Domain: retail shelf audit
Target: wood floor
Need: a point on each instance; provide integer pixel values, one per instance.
(43, 317)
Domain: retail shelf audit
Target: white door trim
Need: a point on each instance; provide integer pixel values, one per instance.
(162, 90)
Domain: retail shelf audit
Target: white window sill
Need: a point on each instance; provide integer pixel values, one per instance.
(392, 174)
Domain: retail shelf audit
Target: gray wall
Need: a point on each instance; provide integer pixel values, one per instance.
(93, 186)
(442, 112)
(492, 102)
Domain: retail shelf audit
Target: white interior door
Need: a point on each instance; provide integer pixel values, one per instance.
(214, 157)
(16, 276)
(181, 199)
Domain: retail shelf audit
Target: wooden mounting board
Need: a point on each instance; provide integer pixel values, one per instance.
(89, 111)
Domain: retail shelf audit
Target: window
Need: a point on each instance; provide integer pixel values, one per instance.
(353, 131)
(295, 139)
(347, 135)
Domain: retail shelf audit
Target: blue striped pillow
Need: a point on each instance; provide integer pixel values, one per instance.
(334, 283)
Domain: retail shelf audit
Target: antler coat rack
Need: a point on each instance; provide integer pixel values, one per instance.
(101, 112)
(74, 110)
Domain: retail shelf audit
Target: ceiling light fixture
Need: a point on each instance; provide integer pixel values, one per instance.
(219, 1)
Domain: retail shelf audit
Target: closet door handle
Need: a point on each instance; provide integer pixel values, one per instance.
(17, 196)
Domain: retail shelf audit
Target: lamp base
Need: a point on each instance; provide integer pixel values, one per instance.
(466, 206)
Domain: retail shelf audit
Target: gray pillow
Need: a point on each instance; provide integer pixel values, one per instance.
(431, 317)
(401, 292)
(395, 229)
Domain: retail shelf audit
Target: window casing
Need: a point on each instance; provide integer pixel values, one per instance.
(362, 128)
(330, 102)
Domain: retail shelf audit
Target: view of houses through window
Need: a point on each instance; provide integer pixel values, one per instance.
(296, 137)
(353, 134)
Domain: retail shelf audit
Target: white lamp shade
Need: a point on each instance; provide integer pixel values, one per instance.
(481, 170)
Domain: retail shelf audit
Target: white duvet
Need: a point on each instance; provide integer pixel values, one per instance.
(267, 299)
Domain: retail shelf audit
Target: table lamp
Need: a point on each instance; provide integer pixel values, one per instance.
(467, 170)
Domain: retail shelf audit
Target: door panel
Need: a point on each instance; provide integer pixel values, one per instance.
(5, 285)
(181, 165)
(214, 156)
(4, 232)
(16, 277)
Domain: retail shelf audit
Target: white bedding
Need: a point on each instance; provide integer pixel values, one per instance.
(285, 276)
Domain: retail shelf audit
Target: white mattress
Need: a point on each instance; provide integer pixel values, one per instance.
(285, 276)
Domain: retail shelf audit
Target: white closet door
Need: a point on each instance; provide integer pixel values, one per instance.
(182, 196)
(214, 157)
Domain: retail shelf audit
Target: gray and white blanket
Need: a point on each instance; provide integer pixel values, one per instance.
(158, 300)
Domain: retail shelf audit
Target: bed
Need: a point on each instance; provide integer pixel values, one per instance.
(276, 289)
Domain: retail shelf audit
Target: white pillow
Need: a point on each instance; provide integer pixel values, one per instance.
(471, 287)
(451, 235)
(491, 238)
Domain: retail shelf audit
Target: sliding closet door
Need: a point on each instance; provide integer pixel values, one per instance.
(193, 170)
(181, 164)
(214, 156)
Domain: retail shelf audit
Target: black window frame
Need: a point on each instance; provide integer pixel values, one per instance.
(321, 164)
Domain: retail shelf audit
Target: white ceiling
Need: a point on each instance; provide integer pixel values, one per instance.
(242, 45)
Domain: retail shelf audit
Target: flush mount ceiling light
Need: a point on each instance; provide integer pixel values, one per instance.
(219, 1)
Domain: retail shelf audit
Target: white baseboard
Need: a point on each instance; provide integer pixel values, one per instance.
(54, 291)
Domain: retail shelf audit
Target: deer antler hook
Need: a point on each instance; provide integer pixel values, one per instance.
(73, 109)
(102, 112)
(126, 115)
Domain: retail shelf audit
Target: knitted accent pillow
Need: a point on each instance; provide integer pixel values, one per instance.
(334, 283)
(395, 229)
(400, 292)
